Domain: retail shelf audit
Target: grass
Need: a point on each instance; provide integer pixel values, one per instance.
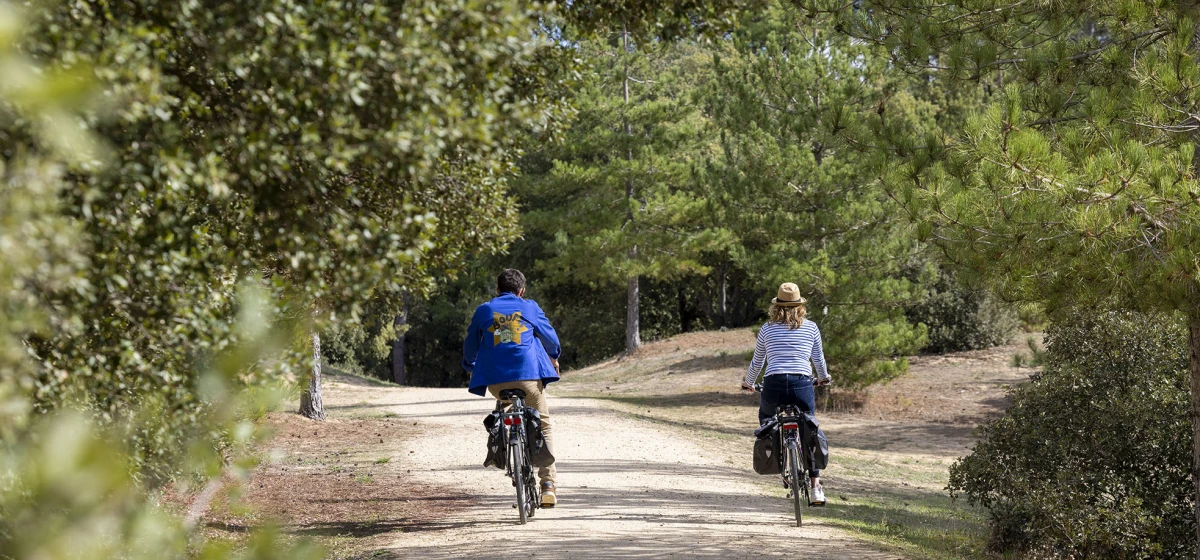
(891, 500)
(382, 460)
(922, 525)
(339, 370)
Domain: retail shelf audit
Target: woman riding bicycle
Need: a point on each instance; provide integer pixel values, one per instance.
(791, 346)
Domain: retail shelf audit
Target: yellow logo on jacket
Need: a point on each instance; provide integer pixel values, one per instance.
(507, 328)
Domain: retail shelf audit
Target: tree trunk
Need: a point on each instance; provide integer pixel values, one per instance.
(399, 376)
(632, 336)
(310, 400)
(724, 295)
(1194, 367)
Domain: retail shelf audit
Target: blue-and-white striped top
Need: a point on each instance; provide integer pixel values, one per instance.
(788, 351)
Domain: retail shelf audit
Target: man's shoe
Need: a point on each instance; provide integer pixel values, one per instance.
(549, 499)
(817, 497)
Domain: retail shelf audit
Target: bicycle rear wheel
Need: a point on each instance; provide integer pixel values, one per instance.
(518, 469)
(797, 484)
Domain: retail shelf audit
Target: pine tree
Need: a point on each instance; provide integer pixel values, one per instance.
(1079, 188)
(617, 196)
(795, 187)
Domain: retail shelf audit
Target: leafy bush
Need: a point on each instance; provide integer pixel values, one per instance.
(962, 319)
(1036, 357)
(363, 343)
(1093, 458)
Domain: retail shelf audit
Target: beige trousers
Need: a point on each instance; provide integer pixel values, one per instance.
(535, 397)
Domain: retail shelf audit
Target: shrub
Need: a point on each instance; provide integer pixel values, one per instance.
(1093, 458)
(962, 319)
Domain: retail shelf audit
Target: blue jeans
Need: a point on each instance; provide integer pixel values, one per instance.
(781, 389)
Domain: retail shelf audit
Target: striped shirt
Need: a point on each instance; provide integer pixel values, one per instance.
(788, 351)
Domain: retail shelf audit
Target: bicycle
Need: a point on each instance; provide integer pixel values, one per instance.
(797, 455)
(512, 428)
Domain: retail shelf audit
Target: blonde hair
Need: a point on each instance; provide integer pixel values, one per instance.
(790, 315)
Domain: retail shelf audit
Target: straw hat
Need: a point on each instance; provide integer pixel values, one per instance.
(789, 295)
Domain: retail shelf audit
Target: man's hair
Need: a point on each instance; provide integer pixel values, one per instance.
(511, 281)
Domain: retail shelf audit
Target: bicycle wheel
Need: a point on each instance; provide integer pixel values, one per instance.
(518, 465)
(797, 484)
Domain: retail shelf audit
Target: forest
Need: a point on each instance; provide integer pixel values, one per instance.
(204, 206)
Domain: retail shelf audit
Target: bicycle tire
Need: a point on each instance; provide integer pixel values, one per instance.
(519, 481)
(794, 468)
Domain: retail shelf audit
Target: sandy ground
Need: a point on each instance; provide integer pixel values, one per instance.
(629, 488)
(654, 457)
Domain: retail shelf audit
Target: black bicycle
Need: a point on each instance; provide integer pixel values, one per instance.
(529, 497)
(797, 456)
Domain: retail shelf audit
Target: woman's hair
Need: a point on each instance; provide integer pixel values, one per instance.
(790, 315)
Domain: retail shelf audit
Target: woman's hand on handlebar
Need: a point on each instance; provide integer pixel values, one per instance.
(824, 382)
(747, 388)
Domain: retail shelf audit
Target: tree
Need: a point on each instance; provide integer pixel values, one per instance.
(363, 156)
(794, 184)
(1080, 186)
(616, 196)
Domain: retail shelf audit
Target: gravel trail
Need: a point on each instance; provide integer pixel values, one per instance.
(628, 488)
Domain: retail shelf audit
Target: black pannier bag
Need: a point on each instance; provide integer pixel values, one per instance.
(497, 448)
(768, 445)
(814, 440)
(539, 452)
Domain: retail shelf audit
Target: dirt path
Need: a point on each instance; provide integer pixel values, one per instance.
(629, 488)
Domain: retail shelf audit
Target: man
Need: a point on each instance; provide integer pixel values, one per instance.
(511, 345)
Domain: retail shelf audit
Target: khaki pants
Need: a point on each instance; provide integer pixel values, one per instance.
(535, 397)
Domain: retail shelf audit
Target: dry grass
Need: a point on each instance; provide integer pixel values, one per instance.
(892, 444)
(339, 482)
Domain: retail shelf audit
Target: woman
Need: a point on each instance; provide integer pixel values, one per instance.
(791, 346)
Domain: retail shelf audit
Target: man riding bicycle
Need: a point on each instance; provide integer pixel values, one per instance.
(502, 351)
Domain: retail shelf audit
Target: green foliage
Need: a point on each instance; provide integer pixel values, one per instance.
(959, 318)
(328, 151)
(656, 19)
(791, 182)
(1079, 183)
(1036, 357)
(67, 493)
(364, 343)
(614, 199)
(1093, 458)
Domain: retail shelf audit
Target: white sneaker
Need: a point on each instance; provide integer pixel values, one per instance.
(817, 497)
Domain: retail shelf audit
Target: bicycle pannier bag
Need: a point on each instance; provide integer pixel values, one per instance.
(814, 440)
(539, 452)
(497, 448)
(768, 454)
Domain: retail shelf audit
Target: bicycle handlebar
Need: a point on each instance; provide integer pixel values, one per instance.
(759, 386)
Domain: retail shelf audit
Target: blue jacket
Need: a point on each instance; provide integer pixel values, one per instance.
(510, 339)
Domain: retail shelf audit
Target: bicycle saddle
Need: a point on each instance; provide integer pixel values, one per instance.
(508, 394)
